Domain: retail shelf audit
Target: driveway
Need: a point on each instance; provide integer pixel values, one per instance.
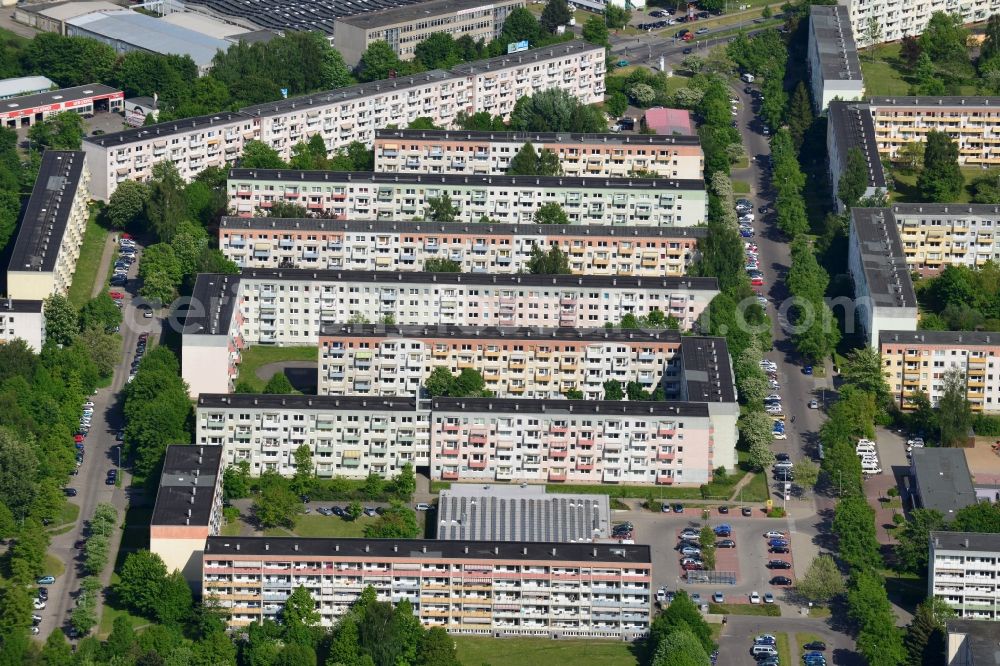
(739, 631)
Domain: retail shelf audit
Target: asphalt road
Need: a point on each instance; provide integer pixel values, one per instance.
(100, 456)
(647, 49)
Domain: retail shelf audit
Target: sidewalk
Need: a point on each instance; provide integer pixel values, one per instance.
(102, 270)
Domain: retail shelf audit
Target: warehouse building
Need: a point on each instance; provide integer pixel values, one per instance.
(52, 16)
(479, 587)
(505, 199)
(370, 245)
(24, 85)
(405, 26)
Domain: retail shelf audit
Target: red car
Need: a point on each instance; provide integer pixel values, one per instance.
(117, 295)
(757, 281)
(78, 439)
(125, 235)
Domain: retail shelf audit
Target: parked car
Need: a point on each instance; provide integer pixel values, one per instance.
(423, 506)
(765, 639)
(778, 564)
(678, 508)
(70, 492)
(755, 598)
(746, 511)
(689, 533)
(815, 645)
(371, 511)
(768, 598)
(690, 551)
(719, 598)
(725, 543)
(778, 550)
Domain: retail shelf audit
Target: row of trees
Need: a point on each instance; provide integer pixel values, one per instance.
(238, 483)
(16, 179)
(961, 298)
(311, 155)
(680, 636)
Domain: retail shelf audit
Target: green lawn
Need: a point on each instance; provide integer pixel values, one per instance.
(770, 610)
(741, 187)
(232, 529)
(886, 75)
(67, 516)
(755, 490)
(784, 650)
(53, 566)
(477, 651)
(315, 525)
(641, 492)
(255, 357)
(113, 609)
(906, 185)
(90, 260)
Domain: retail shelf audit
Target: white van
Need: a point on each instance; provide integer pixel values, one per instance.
(763, 650)
(870, 467)
(747, 78)
(864, 449)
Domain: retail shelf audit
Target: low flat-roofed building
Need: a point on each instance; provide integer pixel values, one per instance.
(961, 571)
(138, 109)
(835, 70)
(505, 199)
(883, 291)
(473, 512)
(188, 508)
(916, 361)
(849, 126)
(400, 245)
(942, 480)
(405, 26)
(27, 110)
(22, 319)
(668, 122)
(52, 16)
(126, 30)
(971, 643)
(615, 580)
(25, 85)
(48, 241)
(205, 25)
(490, 153)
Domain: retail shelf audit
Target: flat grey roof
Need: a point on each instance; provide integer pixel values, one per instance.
(525, 57)
(279, 224)
(707, 374)
(882, 258)
(409, 13)
(429, 179)
(838, 54)
(943, 101)
(981, 639)
(294, 547)
(150, 34)
(166, 129)
(943, 480)
(306, 402)
(538, 137)
(517, 280)
(187, 483)
(212, 303)
(609, 408)
(977, 541)
(950, 209)
(47, 214)
(296, 15)
(584, 335)
(854, 127)
(954, 338)
(19, 85)
(474, 512)
(20, 305)
(60, 96)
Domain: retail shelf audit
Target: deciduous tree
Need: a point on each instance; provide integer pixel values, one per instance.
(551, 213)
(941, 178)
(954, 410)
(822, 581)
(555, 14)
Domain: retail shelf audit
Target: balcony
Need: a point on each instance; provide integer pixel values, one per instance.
(557, 475)
(664, 480)
(479, 463)
(449, 474)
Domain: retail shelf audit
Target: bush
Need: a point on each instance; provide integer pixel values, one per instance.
(776, 512)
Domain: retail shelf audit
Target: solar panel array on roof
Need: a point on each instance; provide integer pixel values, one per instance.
(532, 517)
(300, 15)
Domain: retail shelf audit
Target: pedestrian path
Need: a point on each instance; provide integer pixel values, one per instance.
(102, 270)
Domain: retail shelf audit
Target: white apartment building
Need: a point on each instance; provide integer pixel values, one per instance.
(578, 441)
(48, 240)
(503, 199)
(963, 570)
(24, 320)
(835, 70)
(489, 153)
(348, 114)
(883, 291)
(936, 236)
(487, 588)
(972, 122)
(915, 361)
(290, 306)
(537, 363)
(390, 245)
(349, 436)
(902, 18)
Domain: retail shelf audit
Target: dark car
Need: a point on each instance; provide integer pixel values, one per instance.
(776, 543)
(748, 90)
(781, 580)
(724, 508)
(725, 543)
(815, 645)
(746, 511)
(778, 564)
(43, 593)
(778, 550)
(70, 492)
(781, 457)
(79, 544)
(808, 370)
(110, 481)
(678, 508)
(688, 51)
(687, 544)
(337, 511)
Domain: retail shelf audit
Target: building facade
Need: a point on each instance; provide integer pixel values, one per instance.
(537, 363)
(353, 113)
(962, 571)
(883, 291)
(835, 70)
(403, 27)
(972, 122)
(850, 126)
(349, 436)
(26, 110)
(586, 155)
(504, 199)
(918, 360)
(188, 508)
(51, 232)
(936, 236)
(22, 320)
(898, 19)
(479, 587)
(478, 248)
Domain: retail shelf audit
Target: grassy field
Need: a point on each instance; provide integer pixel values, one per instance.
(67, 516)
(641, 492)
(53, 566)
(769, 610)
(755, 490)
(886, 74)
(113, 610)
(90, 260)
(478, 651)
(784, 650)
(232, 528)
(315, 525)
(255, 357)
(741, 187)
(906, 185)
